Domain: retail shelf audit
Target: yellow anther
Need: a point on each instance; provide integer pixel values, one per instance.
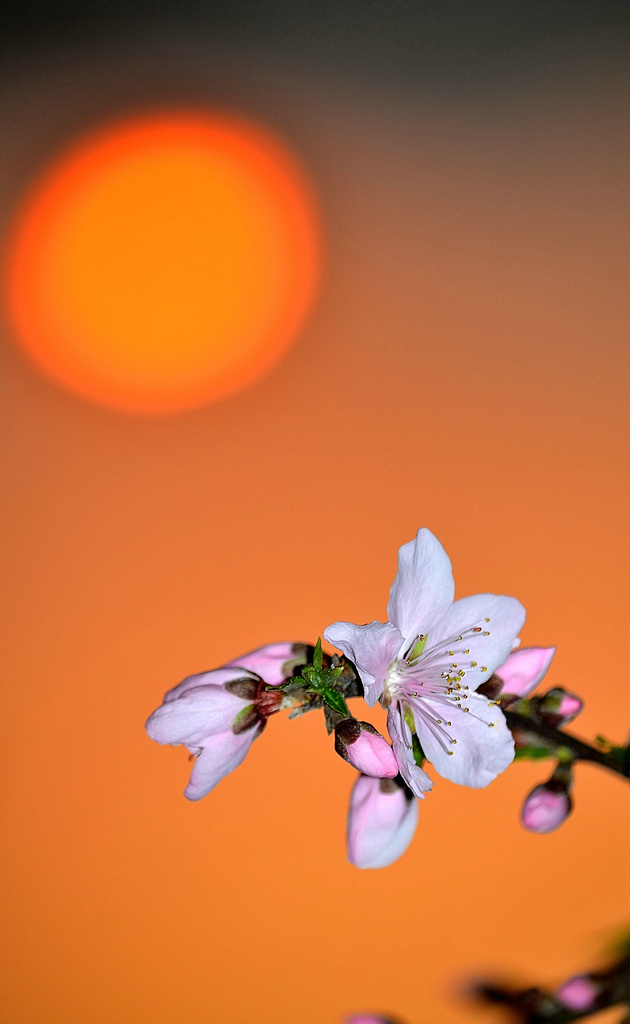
(474, 664)
(451, 653)
(487, 633)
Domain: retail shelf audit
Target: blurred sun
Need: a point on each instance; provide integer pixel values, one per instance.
(164, 261)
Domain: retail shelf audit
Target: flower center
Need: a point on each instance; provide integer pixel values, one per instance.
(423, 680)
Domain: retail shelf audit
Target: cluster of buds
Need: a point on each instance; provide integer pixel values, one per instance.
(533, 721)
(218, 714)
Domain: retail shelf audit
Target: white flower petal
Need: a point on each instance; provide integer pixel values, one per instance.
(484, 745)
(220, 756)
(215, 677)
(197, 714)
(372, 648)
(380, 824)
(423, 588)
(497, 620)
(416, 778)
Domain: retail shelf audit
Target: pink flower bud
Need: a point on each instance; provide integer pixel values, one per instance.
(524, 669)
(578, 994)
(557, 707)
(365, 749)
(381, 822)
(274, 663)
(546, 807)
(570, 706)
(366, 1018)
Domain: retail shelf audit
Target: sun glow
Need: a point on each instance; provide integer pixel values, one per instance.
(164, 262)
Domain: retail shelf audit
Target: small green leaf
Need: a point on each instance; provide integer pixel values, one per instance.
(335, 700)
(317, 655)
(532, 753)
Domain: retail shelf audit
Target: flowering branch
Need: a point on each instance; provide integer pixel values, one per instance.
(457, 687)
(552, 740)
(577, 998)
(454, 682)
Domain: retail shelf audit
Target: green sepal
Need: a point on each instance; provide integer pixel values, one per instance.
(418, 753)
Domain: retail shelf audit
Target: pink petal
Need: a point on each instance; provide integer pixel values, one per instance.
(372, 648)
(424, 586)
(524, 669)
(197, 714)
(372, 755)
(220, 756)
(484, 745)
(570, 706)
(274, 662)
(416, 778)
(381, 822)
(215, 677)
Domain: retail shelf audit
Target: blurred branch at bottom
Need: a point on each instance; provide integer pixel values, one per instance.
(577, 998)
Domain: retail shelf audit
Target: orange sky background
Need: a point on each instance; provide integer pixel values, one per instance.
(465, 369)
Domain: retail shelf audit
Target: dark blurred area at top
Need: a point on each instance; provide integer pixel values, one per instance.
(408, 39)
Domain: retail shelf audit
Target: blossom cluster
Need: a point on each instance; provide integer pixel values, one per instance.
(447, 672)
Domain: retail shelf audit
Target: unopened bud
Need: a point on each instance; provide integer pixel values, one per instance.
(549, 805)
(524, 669)
(559, 707)
(275, 663)
(367, 1018)
(381, 822)
(578, 994)
(365, 749)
